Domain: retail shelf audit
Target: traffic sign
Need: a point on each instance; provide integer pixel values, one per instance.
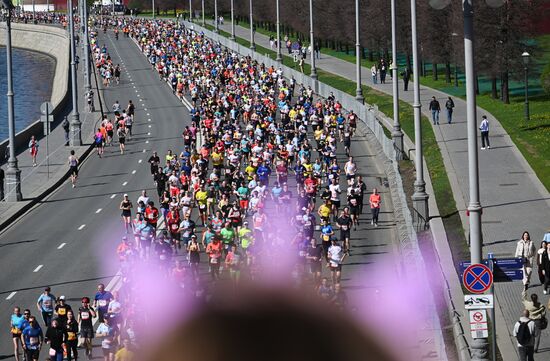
(46, 108)
(475, 302)
(477, 278)
(504, 269)
(478, 324)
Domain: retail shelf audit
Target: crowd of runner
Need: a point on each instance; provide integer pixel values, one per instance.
(264, 181)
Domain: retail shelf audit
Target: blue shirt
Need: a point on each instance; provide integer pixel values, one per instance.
(103, 299)
(46, 302)
(17, 321)
(32, 336)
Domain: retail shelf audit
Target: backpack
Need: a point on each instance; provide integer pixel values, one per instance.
(524, 334)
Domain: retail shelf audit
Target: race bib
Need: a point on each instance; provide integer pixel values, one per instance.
(71, 336)
(326, 237)
(102, 303)
(85, 315)
(33, 340)
(344, 227)
(202, 206)
(214, 260)
(15, 331)
(61, 311)
(52, 352)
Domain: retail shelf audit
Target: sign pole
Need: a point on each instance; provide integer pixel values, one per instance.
(490, 256)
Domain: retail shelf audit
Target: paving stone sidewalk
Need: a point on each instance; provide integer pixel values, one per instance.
(512, 196)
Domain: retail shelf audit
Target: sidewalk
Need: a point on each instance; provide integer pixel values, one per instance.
(506, 181)
(39, 180)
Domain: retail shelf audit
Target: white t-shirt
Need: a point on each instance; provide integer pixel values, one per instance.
(334, 192)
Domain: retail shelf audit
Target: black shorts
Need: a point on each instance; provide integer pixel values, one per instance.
(16, 335)
(354, 210)
(344, 234)
(87, 332)
(337, 268)
(122, 140)
(335, 203)
(110, 133)
(32, 354)
(99, 145)
(74, 170)
(315, 267)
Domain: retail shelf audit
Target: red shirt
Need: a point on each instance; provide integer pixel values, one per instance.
(152, 215)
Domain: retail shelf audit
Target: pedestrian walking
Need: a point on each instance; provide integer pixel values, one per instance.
(449, 105)
(435, 107)
(373, 72)
(66, 127)
(406, 74)
(383, 70)
(484, 128)
(33, 149)
(301, 64)
(537, 314)
(544, 267)
(526, 250)
(540, 254)
(317, 49)
(2, 177)
(524, 329)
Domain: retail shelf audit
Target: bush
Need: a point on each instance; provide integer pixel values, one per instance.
(545, 79)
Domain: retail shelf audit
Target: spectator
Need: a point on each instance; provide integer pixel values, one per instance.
(526, 250)
(66, 127)
(484, 128)
(435, 108)
(449, 105)
(537, 314)
(406, 74)
(524, 329)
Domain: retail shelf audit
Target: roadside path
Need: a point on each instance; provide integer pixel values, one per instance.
(508, 185)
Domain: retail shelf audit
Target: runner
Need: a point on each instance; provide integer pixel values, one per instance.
(375, 201)
(85, 315)
(126, 208)
(45, 306)
(73, 168)
(33, 149)
(32, 338)
(17, 324)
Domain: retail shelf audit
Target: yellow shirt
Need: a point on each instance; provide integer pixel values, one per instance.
(201, 196)
(124, 355)
(324, 210)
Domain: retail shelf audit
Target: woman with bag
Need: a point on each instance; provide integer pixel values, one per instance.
(537, 313)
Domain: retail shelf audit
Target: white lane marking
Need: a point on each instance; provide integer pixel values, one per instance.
(81, 227)
(148, 133)
(98, 210)
(38, 268)
(61, 245)
(136, 90)
(145, 109)
(138, 95)
(149, 125)
(149, 119)
(135, 87)
(141, 160)
(134, 171)
(144, 150)
(113, 196)
(146, 142)
(10, 296)
(148, 114)
(124, 183)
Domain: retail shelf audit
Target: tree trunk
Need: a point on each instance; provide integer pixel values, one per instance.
(371, 55)
(448, 73)
(434, 71)
(505, 89)
(494, 91)
(477, 84)
(363, 53)
(409, 65)
(347, 49)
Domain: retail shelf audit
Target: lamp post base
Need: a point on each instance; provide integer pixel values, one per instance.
(359, 96)
(397, 136)
(76, 136)
(13, 183)
(420, 205)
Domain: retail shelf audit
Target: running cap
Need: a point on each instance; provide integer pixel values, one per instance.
(62, 298)
(125, 194)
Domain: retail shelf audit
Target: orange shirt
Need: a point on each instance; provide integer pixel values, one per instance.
(374, 200)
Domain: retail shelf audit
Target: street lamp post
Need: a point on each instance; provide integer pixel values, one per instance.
(454, 35)
(525, 57)
(397, 134)
(232, 37)
(87, 67)
(313, 74)
(358, 90)
(216, 22)
(190, 10)
(76, 138)
(252, 44)
(203, 16)
(153, 5)
(279, 57)
(419, 197)
(13, 174)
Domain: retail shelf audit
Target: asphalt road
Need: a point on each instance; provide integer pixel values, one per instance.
(86, 220)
